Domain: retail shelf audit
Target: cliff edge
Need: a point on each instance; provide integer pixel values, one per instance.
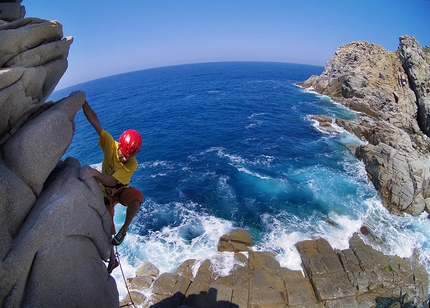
(54, 229)
(391, 92)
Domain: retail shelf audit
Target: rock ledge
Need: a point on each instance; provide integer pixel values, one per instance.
(356, 277)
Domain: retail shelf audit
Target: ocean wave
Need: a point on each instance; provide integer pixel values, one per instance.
(256, 114)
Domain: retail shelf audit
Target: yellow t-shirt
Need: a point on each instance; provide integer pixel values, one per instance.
(111, 164)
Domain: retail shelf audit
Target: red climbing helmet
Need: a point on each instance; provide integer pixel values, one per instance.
(130, 142)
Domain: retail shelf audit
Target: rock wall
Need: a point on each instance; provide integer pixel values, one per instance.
(54, 229)
(391, 92)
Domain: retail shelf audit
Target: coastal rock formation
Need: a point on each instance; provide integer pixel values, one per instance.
(391, 91)
(356, 277)
(416, 63)
(54, 228)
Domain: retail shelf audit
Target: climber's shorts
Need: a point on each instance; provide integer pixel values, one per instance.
(125, 196)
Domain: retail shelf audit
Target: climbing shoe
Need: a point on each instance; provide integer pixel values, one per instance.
(112, 265)
(119, 237)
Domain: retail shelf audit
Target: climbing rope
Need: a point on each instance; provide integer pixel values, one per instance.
(125, 280)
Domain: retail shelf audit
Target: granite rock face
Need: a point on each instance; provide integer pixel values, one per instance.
(54, 228)
(416, 63)
(11, 10)
(390, 90)
(356, 277)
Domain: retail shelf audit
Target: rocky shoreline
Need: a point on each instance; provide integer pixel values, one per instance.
(40, 193)
(391, 92)
(356, 277)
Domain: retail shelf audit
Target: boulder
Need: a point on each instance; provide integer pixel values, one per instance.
(236, 241)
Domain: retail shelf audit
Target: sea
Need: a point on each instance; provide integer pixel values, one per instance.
(232, 145)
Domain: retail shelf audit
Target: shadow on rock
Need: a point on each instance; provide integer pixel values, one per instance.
(201, 300)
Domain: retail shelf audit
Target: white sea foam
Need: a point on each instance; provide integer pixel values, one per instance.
(284, 234)
(332, 129)
(399, 235)
(256, 115)
(223, 263)
(167, 248)
(158, 175)
(263, 177)
(156, 164)
(235, 159)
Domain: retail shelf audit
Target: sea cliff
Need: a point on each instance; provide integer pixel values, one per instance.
(391, 91)
(55, 230)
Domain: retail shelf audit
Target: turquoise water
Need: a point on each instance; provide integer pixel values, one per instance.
(231, 145)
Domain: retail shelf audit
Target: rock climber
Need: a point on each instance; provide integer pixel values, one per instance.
(118, 165)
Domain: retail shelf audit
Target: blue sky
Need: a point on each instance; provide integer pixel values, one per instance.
(112, 37)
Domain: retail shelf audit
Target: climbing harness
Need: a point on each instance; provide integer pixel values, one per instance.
(131, 303)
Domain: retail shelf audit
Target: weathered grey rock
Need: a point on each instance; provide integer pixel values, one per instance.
(300, 291)
(196, 295)
(385, 276)
(30, 69)
(11, 10)
(369, 79)
(395, 164)
(21, 35)
(141, 283)
(268, 289)
(402, 179)
(55, 231)
(138, 298)
(416, 63)
(16, 200)
(42, 54)
(392, 90)
(53, 247)
(53, 130)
